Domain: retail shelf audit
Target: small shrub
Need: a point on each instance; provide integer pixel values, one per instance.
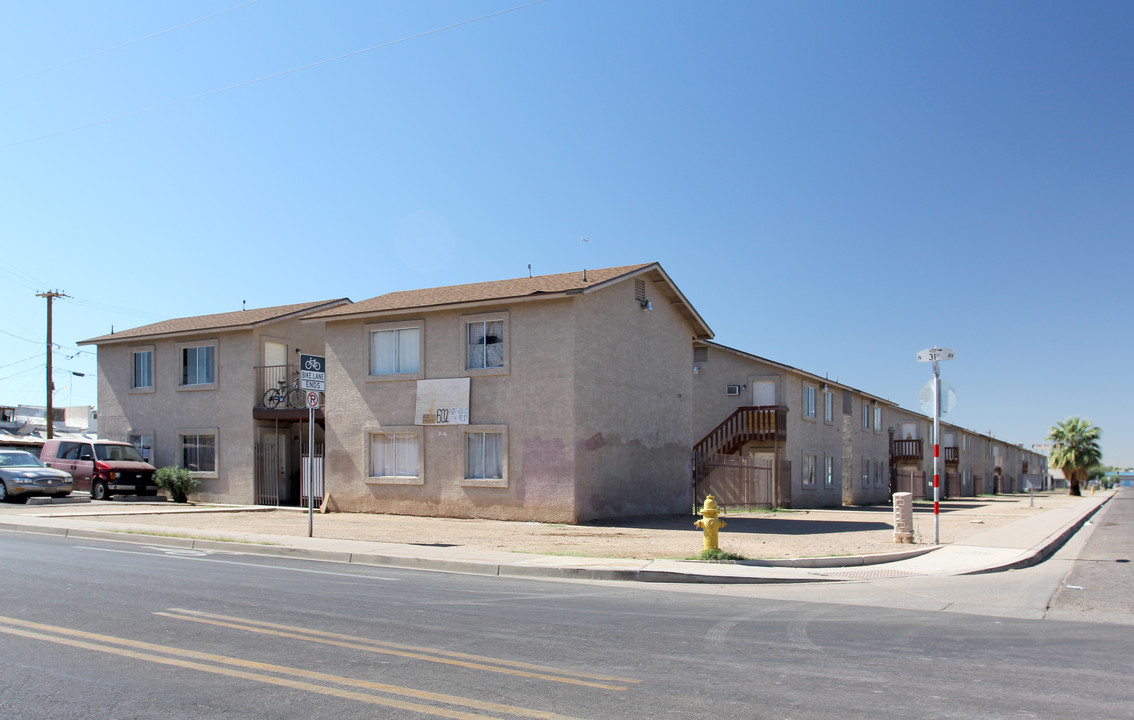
(178, 482)
(718, 555)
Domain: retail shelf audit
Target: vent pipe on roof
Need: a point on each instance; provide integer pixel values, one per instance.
(584, 274)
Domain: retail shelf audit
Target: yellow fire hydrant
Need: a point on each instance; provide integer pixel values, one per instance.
(710, 523)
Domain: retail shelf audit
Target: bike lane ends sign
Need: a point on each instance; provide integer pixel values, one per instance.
(313, 373)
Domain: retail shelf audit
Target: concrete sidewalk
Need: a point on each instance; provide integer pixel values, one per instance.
(1019, 544)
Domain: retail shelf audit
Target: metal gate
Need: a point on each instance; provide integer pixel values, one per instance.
(735, 480)
(267, 473)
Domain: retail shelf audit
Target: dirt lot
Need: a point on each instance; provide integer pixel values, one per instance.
(782, 534)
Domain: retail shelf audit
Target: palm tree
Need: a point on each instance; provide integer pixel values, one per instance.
(1075, 448)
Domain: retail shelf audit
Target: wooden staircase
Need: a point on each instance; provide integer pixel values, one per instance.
(752, 423)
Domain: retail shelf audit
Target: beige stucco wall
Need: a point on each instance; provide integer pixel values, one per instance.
(168, 409)
(632, 404)
(531, 401)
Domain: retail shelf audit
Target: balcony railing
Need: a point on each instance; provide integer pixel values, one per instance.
(952, 455)
(277, 387)
(908, 451)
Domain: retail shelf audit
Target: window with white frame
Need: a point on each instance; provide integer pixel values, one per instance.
(808, 401)
(395, 456)
(395, 350)
(877, 419)
(879, 473)
(198, 365)
(484, 456)
(199, 451)
(144, 442)
(866, 472)
(142, 376)
(828, 471)
(809, 462)
(828, 406)
(486, 343)
(865, 415)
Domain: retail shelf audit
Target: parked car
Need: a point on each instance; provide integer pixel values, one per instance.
(22, 475)
(104, 467)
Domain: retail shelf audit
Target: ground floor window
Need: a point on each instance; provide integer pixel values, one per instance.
(395, 455)
(199, 452)
(484, 456)
(809, 461)
(828, 471)
(145, 444)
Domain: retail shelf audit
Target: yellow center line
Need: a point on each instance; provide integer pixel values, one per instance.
(70, 637)
(387, 651)
(412, 648)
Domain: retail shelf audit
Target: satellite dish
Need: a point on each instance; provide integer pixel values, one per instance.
(948, 398)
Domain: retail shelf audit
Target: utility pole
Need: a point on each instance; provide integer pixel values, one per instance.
(50, 386)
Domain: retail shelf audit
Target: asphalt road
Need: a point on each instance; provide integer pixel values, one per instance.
(112, 630)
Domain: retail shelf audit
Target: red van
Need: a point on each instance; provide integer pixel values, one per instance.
(103, 467)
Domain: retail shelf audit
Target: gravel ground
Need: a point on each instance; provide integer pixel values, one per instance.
(761, 535)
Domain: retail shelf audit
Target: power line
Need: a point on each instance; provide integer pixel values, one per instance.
(281, 73)
(125, 44)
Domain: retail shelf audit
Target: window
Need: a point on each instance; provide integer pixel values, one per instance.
(143, 374)
(145, 444)
(828, 406)
(808, 401)
(397, 350)
(877, 419)
(808, 470)
(879, 472)
(485, 344)
(828, 471)
(395, 455)
(865, 415)
(198, 365)
(484, 456)
(865, 472)
(199, 452)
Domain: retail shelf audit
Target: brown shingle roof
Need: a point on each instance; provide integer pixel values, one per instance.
(221, 321)
(480, 292)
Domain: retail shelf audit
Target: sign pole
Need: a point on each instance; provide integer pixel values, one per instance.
(310, 471)
(936, 453)
(935, 355)
(313, 379)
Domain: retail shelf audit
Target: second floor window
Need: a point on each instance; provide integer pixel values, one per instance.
(198, 365)
(808, 401)
(486, 344)
(395, 351)
(143, 370)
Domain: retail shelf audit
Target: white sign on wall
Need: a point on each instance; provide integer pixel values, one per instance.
(443, 402)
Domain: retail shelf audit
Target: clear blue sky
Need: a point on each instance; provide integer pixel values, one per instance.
(834, 185)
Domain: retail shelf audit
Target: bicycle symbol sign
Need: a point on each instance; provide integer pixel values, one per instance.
(311, 373)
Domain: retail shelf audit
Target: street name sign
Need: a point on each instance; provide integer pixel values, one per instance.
(313, 373)
(936, 354)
